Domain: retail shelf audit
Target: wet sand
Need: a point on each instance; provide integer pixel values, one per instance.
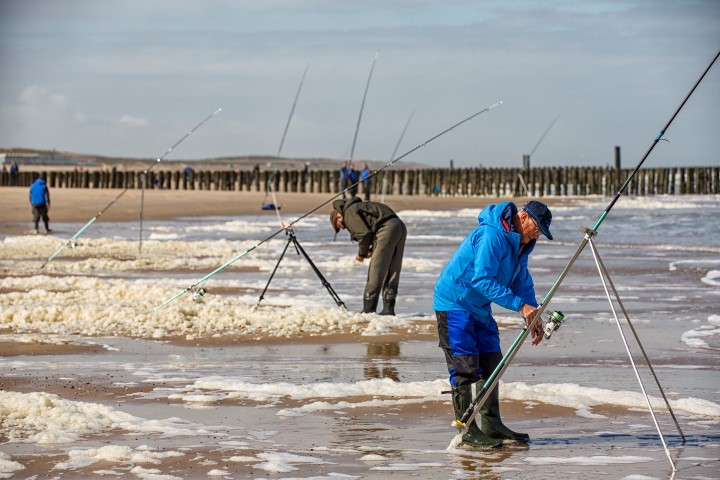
(373, 442)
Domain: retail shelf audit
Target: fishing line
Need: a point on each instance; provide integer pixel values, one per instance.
(464, 422)
(194, 286)
(71, 242)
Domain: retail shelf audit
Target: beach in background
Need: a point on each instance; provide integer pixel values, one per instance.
(99, 382)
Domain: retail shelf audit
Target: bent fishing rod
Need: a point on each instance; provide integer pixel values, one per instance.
(194, 286)
(463, 424)
(71, 242)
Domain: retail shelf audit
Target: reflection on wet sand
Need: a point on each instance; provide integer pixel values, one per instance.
(379, 361)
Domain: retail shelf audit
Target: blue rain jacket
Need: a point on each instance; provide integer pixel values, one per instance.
(486, 268)
(39, 193)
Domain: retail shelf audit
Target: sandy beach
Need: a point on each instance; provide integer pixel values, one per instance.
(75, 205)
(95, 385)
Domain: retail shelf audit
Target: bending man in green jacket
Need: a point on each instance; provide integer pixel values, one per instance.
(381, 235)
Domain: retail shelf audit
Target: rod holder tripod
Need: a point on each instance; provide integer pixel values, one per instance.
(300, 251)
(607, 282)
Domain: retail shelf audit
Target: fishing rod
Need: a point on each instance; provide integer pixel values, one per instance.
(144, 174)
(271, 178)
(463, 424)
(543, 136)
(362, 106)
(194, 287)
(527, 165)
(357, 129)
(397, 145)
(71, 242)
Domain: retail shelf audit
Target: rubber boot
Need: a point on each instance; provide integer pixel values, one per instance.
(461, 399)
(369, 305)
(388, 306)
(490, 422)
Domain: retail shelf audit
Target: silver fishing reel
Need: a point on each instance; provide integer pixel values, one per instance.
(554, 322)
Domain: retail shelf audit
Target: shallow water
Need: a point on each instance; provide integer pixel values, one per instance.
(373, 409)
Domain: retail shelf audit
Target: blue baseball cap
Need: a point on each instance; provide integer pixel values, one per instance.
(541, 214)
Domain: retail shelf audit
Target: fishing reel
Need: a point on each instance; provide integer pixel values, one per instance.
(554, 322)
(198, 294)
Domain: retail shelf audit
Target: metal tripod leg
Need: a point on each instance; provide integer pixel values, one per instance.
(603, 275)
(262, 295)
(293, 239)
(325, 283)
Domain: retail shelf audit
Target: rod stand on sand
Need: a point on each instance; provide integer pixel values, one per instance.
(298, 248)
(604, 275)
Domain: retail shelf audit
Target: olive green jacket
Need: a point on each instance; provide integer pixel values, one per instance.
(362, 220)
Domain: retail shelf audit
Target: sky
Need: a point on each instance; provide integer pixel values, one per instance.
(130, 78)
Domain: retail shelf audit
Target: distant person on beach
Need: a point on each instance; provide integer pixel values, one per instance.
(365, 179)
(353, 178)
(490, 266)
(344, 178)
(381, 235)
(40, 201)
(14, 174)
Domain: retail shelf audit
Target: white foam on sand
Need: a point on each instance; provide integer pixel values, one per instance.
(79, 458)
(45, 418)
(262, 392)
(116, 307)
(582, 399)
(696, 338)
(8, 466)
(279, 462)
(383, 393)
(712, 278)
(585, 461)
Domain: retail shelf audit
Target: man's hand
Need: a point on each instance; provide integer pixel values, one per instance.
(360, 259)
(529, 312)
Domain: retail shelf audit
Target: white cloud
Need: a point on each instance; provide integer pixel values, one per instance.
(38, 106)
(133, 122)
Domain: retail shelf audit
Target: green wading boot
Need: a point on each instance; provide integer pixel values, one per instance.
(490, 422)
(461, 399)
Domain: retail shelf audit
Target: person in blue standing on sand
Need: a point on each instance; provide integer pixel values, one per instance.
(490, 266)
(344, 178)
(40, 202)
(365, 178)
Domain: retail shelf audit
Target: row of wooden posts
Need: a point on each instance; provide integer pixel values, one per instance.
(558, 181)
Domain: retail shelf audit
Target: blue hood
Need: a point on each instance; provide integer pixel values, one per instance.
(487, 268)
(39, 193)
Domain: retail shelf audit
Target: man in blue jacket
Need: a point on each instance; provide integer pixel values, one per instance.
(489, 266)
(40, 201)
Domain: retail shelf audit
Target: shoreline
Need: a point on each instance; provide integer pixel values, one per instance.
(78, 205)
